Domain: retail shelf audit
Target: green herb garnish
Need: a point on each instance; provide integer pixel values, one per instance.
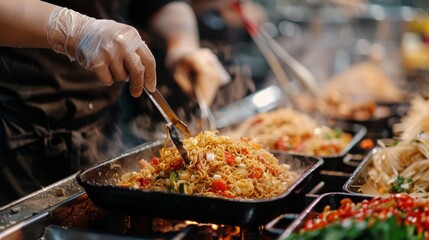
(401, 185)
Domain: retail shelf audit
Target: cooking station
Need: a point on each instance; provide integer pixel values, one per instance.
(64, 211)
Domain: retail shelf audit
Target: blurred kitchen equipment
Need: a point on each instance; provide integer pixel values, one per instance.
(260, 101)
(208, 121)
(274, 53)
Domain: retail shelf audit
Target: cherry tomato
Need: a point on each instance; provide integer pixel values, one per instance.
(366, 144)
(227, 195)
(256, 173)
(282, 144)
(154, 160)
(176, 163)
(299, 147)
(143, 181)
(229, 158)
(219, 185)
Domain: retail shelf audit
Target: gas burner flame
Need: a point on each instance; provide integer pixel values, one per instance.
(210, 230)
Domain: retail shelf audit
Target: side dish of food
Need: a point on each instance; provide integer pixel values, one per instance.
(398, 216)
(402, 167)
(288, 130)
(403, 164)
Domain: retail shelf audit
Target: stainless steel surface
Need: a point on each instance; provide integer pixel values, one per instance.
(33, 208)
(260, 101)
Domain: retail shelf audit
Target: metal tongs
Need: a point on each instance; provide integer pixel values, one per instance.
(273, 52)
(177, 129)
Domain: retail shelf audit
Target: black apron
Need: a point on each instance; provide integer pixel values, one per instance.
(54, 116)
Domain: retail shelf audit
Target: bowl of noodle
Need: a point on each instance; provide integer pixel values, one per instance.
(227, 181)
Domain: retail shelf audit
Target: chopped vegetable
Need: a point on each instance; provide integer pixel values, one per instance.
(210, 156)
(154, 160)
(219, 185)
(256, 173)
(174, 176)
(176, 164)
(366, 144)
(182, 188)
(402, 185)
(229, 158)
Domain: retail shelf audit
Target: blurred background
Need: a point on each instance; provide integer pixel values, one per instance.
(330, 36)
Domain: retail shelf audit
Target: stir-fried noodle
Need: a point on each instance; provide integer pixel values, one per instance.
(219, 167)
(288, 130)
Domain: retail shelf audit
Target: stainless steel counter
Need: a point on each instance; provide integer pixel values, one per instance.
(36, 207)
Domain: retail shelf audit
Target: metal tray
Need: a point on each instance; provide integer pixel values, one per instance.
(336, 162)
(316, 207)
(99, 183)
(358, 178)
(379, 126)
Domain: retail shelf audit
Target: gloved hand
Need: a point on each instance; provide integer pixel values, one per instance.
(113, 51)
(198, 72)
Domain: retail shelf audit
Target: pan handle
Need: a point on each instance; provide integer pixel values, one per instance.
(279, 224)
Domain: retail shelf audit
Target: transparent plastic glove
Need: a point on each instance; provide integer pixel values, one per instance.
(113, 51)
(198, 72)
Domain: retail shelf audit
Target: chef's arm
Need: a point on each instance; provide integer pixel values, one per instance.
(23, 23)
(197, 70)
(176, 24)
(112, 50)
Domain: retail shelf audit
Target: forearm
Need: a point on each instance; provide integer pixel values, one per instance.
(23, 23)
(177, 25)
